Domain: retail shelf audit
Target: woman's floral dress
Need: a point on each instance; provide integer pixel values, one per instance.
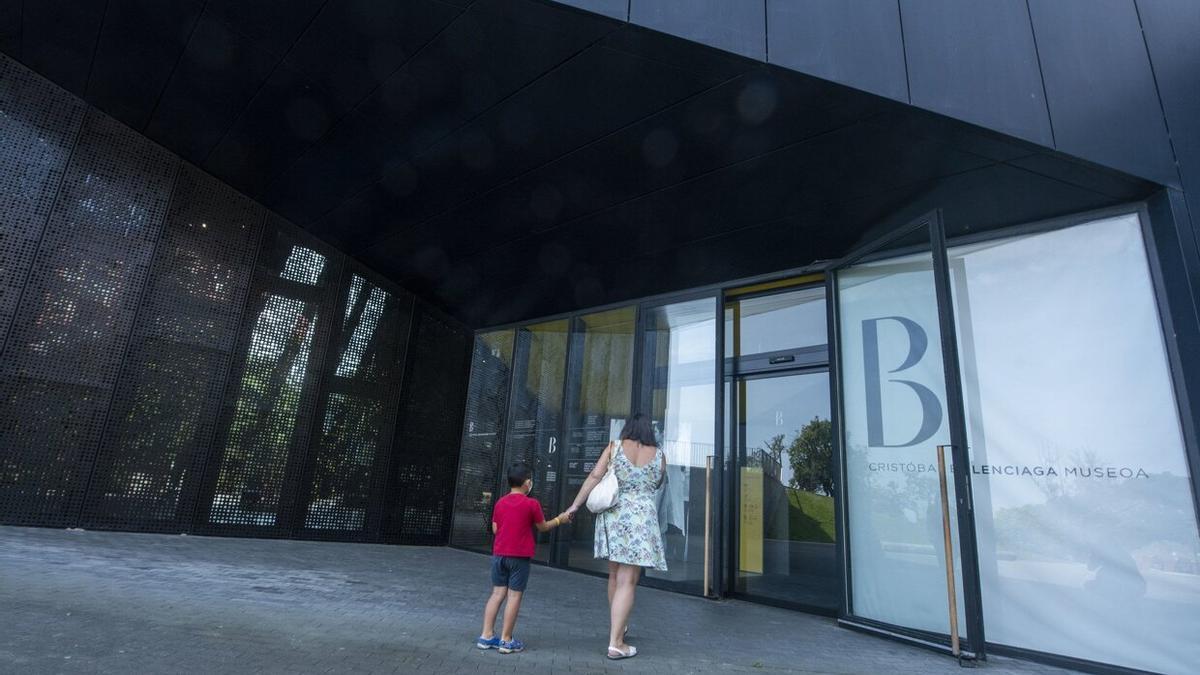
(628, 532)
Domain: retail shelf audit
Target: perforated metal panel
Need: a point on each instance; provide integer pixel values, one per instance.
(72, 325)
(256, 463)
(169, 394)
(174, 358)
(38, 124)
(482, 440)
(425, 454)
(357, 417)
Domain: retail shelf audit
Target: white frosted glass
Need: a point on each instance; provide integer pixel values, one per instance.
(1087, 533)
(894, 417)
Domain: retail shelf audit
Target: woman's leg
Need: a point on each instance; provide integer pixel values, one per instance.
(622, 603)
(612, 581)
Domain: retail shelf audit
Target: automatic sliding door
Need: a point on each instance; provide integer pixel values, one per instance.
(786, 535)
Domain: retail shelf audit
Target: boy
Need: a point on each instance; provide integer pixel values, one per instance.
(513, 518)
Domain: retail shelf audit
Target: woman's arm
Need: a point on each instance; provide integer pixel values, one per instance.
(592, 480)
(663, 479)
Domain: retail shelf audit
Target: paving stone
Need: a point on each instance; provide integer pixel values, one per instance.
(110, 602)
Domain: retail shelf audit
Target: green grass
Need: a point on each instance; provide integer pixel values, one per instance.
(810, 517)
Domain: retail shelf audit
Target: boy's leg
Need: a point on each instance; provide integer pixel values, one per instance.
(490, 610)
(510, 615)
(517, 579)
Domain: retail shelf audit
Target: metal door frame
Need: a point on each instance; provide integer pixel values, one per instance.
(974, 644)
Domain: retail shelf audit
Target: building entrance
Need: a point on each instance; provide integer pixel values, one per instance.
(781, 513)
(785, 533)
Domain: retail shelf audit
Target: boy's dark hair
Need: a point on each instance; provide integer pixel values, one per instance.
(517, 474)
(639, 429)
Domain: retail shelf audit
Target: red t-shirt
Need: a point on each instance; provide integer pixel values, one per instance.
(514, 516)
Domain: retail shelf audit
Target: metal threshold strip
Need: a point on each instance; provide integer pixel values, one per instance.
(967, 654)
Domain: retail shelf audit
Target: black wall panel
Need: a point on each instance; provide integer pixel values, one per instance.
(482, 440)
(287, 114)
(343, 489)
(254, 472)
(178, 359)
(71, 328)
(1172, 31)
(976, 60)
(425, 457)
(617, 9)
(10, 26)
(274, 25)
(1103, 101)
(737, 26)
(217, 75)
(139, 45)
(38, 124)
(493, 50)
(167, 399)
(854, 42)
(352, 46)
(58, 38)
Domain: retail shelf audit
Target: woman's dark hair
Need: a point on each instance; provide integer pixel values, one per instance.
(517, 474)
(639, 429)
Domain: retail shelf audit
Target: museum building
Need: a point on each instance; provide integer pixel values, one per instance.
(910, 289)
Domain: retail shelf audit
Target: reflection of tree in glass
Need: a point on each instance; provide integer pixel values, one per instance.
(809, 494)
(811, 457)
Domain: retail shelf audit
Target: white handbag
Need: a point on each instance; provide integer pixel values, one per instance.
(604, 496)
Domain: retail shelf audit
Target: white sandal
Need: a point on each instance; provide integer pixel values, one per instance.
(632, 652)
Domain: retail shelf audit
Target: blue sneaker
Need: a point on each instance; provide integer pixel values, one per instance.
(512, 646)
(488, 643)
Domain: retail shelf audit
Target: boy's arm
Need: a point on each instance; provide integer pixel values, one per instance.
(493, 527)
(547, 525)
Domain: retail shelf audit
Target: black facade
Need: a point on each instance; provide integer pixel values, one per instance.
(250, 251)
(179, 359)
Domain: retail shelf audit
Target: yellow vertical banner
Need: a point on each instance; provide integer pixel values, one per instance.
(750, 550)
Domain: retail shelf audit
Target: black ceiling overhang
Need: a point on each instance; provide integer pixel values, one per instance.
(509, 159)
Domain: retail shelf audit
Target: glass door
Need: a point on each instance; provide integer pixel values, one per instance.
(786, 531)
(897, 384)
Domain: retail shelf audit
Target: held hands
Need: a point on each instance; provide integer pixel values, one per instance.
(565, 517)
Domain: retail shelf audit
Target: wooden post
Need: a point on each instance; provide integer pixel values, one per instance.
(949, 546)
(708, 465)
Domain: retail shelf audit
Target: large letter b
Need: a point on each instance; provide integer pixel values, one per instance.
(931, 407)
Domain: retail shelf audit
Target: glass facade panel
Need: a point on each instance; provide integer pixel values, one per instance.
(601, 392)
(1088, 544)
(894, 417)
(482, 441)
(679, 357)
(535, 418)
(786, 536)
(776, 322)
(1087, 535)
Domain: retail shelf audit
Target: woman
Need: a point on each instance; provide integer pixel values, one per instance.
(627, 535)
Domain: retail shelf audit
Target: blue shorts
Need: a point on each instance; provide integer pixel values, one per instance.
(511, 572)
